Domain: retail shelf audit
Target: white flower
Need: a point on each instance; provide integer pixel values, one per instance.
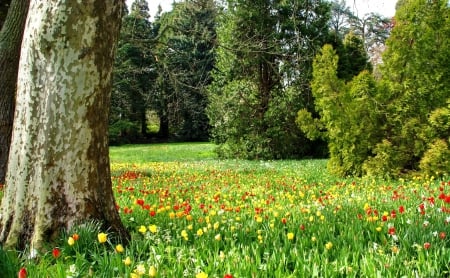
(73, 268)
(33, 254)
(140, 269)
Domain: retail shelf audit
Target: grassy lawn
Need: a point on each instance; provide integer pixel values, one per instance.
(192, 215)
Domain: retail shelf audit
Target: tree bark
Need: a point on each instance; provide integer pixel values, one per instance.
(10, 41)
(58, 169)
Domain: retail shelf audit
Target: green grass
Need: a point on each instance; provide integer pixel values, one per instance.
(192, 215)
(162, 153)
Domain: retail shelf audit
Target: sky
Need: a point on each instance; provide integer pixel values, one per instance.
(359, 7)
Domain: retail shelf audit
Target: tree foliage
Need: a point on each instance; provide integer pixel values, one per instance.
(416, 73)
(262, 77)
(397, 125)
(186, 57)
(134, 77)
(348, 114)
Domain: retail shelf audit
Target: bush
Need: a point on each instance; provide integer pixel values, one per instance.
(435, 161)
(123, 132)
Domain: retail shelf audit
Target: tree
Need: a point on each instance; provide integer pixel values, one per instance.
(187, 57)
(340, 19)
(134, 75)
(348, 114)
(415, 71)
(10, 41)
(373, 29)
(398, 125)
(353, 57)
(58, 172)
(263, 73)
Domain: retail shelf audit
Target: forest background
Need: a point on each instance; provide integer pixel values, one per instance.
(255, 78)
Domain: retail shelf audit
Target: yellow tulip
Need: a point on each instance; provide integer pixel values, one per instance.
(102, 237)
(71, 241)
(201, 275)
(119, 248)
(290, 236)
(152, 271)
(142, 229)
(127, 261)
(153, 228)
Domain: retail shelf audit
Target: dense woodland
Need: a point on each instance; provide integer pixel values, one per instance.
(290, 79)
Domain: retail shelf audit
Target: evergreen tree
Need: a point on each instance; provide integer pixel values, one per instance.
(399, 125)
(186, 57)
(134, 76)
(263, 73)
(348, 114)
(417, 79)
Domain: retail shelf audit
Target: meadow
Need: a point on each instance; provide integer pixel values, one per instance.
(193, 215)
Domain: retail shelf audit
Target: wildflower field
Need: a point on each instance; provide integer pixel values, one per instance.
(191, 215)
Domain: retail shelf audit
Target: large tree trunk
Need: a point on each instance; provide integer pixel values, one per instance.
(58, 172)
(10, 41)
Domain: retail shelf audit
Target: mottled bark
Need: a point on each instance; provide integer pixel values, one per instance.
(10, 41)
(58, 169)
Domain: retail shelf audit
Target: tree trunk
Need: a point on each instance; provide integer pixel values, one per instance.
(163, 132)
(10, 41)
(58, 172)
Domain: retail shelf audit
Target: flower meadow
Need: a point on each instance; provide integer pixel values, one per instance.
(202, 217)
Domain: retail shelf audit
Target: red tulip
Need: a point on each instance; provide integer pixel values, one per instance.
(75, 237)
(391, 231)
(22, 273)
(56, 253)
(426, 245)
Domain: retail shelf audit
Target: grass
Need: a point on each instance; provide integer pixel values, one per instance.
(192, 215)
(182, 152)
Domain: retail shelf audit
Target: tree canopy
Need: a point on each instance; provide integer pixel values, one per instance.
(397, 125)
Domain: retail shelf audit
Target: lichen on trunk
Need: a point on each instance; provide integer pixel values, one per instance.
(58, 170)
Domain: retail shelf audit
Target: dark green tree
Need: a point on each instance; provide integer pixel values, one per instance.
(353, 57)
(134, 76)
(263, 73)
(186, 57)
